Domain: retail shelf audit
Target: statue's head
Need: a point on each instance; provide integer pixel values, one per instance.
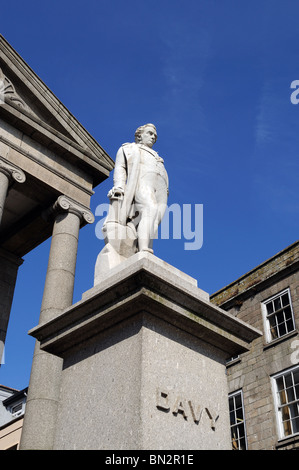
(146, 135)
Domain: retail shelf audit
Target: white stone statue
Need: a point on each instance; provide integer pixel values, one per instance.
(138, 201)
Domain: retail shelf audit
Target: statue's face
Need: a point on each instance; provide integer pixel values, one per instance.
(148, 136)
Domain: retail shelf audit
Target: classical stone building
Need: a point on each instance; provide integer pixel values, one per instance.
(264, 382)
(49, 167)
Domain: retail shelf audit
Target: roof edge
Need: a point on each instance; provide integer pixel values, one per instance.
(258, 267)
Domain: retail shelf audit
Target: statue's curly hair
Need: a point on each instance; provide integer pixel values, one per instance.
(140, 129)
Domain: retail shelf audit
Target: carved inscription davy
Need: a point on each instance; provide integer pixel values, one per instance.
(187, 408)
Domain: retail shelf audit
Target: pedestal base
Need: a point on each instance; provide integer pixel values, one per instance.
(144, 363)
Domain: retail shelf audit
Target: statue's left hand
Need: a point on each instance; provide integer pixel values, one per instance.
(115, 192)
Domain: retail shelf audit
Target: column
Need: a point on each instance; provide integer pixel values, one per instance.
(9, 263)
(43, 395)
(8, 173)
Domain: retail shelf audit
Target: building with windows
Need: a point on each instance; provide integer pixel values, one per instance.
(264, 382)
(12, 409)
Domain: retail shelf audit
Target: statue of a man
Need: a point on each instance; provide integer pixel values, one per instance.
(138, 199)
(140, 176)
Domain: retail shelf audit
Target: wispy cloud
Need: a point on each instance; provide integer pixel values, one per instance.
(185, 59)
(274, 105)
(275, 180)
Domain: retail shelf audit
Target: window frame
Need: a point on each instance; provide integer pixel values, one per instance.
(236, 426)
(279, 406)
(18, 408)
(266, 315)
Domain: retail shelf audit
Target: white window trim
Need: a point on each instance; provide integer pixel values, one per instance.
(266, 322)
(21, 411)
(279, 423)
(240, 392)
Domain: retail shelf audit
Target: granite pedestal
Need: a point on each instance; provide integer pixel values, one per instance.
(144, 356)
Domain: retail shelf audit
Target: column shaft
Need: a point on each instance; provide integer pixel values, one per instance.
(59, 285)
(43, 396)
(9, 263)
(4, 181)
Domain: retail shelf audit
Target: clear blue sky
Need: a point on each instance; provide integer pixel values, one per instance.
(214, 76)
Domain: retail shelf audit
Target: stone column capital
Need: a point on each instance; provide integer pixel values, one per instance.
(66, 204)
(12, 171)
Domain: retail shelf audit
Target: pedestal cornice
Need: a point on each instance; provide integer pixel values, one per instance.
(146, 287)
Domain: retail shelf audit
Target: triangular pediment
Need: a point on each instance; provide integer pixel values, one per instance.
(27, 102)
(8, 94)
